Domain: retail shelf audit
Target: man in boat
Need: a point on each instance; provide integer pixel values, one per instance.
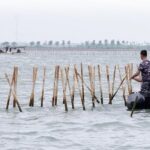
(144, 71)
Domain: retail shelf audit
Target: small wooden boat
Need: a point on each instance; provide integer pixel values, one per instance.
(139, 100)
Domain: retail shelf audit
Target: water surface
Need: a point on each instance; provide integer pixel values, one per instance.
(105, 127)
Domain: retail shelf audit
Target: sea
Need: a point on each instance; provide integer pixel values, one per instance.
(105, 127)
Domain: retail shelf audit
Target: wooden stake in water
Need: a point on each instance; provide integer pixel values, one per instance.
(128, 79)
(10, 90)
(67, 78)
(64, 90)
(78, 83)
(100, 83)
(130, 68)
(15, 97)
(43, 85)
(93, 81)
(73, 89)
(123, 86)
(82, 89)
(108, 81)
(15, 84)
(31, 103)
(56, 89)
(113, 83)
(91, 85)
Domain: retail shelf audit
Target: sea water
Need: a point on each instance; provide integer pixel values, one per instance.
(106, 127)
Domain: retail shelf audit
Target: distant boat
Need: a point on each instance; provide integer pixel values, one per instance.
(13, 49)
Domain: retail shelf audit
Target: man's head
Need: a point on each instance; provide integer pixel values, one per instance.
(143, 54)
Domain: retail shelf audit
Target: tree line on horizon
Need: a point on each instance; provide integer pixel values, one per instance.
(87, 44)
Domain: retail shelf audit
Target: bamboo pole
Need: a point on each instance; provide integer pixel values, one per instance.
(93, 81)
(15, 97)
(130, 68)
(82, 89)
(100, 84)
(15, 84)
(77, 80)
(113, 83)
(54, 87)
(57, 79)
(43, 85)
(108, 81)
(64, 90)
(10, 90)
(67, 78)
(91, 85)
(78, 83)
(123, 87)
(31, 103)
(73, 89)
(127, 79)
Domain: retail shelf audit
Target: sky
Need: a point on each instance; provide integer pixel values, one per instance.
(75, 20)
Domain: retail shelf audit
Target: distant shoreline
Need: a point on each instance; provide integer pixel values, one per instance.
(79, 49)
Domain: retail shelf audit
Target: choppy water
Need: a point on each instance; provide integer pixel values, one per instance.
(105, 127)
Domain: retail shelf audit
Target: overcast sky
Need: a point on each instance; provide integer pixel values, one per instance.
(75, 20)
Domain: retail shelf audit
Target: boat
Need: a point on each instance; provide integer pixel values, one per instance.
(138, 100)
(12, 50)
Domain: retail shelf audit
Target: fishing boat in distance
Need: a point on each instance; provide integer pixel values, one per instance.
(12, 49)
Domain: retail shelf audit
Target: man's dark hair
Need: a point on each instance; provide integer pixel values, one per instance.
(144, 53)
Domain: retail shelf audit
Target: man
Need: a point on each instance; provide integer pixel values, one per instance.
(144, 69)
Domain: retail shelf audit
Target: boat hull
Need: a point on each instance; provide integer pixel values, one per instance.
(141, 101)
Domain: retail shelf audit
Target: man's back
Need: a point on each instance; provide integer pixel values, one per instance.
(144, 68)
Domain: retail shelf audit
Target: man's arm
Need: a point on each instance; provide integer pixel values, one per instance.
(138, 79)
(135, 75)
